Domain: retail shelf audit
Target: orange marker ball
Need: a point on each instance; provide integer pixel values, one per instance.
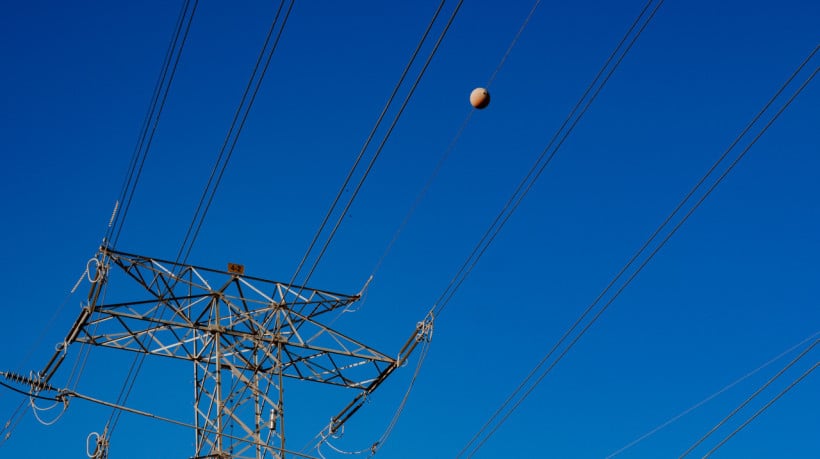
(479, 98)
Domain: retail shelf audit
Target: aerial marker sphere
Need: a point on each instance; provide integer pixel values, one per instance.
(479, 98)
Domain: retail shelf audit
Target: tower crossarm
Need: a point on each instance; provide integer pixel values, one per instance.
(170, 280)
(317, 353)
(180, 311)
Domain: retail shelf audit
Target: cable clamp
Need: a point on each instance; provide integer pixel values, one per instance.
(100, 269)
(100, 445)
(425, 328)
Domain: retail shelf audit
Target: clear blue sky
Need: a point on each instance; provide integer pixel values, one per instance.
(733, 288)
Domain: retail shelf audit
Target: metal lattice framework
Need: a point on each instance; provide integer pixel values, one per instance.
(243, 335)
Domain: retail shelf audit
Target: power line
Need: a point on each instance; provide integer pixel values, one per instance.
(541, 163)
(749, 399)
(231, 138)
(380, 147)
(317, 440)
(534, 172)
(518, 34)
(637, 270)
(369, 167)
(379, 443)
(370, 136)
(544, 159)
(383, 141)
(151, 122)
(762, 409)
(240, 116)
(13, 421)
(711, 397)
(395, 419)
(68, 393)
(453, 142)
(140, 155)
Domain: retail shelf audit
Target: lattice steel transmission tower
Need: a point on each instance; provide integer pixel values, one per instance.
(243, 337)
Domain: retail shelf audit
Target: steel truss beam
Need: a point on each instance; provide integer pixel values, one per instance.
(243, 335)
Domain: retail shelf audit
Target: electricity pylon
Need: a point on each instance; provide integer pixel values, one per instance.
(243, 336)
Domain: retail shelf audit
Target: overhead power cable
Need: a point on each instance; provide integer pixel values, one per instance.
(534, 172)
(762, 409)
(65, 395)
(149, 128)
(14, 420)
(711, 397)
(425, 349)
(252, 88)
(231, 138)
(150, 123)
(381, 145)
(453, 142)
(369, 139)
(546, 156)
(520, 393)
(370, 136)
(337, 199)
(749, 399)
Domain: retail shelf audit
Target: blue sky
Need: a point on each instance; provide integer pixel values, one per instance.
(735, 287)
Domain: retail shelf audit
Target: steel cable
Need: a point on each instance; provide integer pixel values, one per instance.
(231, 138)
(452, 144)
(384, 141)
(134, 170)
(711, 397)
(212, 184)
(151, 122)
(543, 161)
(637, 270)
(762, 409)
(748, 400)
(369, 139)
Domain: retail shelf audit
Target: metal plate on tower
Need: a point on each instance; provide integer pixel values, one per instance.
(235, 268)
